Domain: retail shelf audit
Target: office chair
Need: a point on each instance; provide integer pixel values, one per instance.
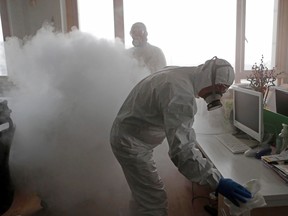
(6, 137)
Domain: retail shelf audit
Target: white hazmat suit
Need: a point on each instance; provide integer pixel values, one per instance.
(147, 55)
(163, 105)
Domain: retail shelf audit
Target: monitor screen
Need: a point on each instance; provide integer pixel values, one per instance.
(248, 112)
(281, 97)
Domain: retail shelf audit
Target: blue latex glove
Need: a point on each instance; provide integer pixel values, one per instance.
(233, 191)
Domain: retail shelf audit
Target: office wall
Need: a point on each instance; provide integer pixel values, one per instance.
(27, 16)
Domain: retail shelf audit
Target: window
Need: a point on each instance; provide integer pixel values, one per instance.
(191, 31)
(260, 32)
(96, 17)
(188, 31)
(256, 35)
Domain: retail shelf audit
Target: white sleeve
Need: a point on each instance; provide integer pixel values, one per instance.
(178, 120)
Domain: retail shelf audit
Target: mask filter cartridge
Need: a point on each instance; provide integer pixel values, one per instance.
(213, 101)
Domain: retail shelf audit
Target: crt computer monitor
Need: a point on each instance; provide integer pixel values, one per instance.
(248, 112)
(281, 99)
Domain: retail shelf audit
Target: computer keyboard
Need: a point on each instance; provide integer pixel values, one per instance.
(232, 143)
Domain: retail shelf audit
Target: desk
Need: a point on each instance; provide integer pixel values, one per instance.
(242, 169)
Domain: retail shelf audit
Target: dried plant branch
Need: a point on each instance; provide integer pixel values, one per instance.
(261, 77)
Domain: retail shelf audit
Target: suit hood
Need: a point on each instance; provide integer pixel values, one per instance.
(218, 69)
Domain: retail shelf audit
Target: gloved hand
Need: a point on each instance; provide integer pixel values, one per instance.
(233, 191)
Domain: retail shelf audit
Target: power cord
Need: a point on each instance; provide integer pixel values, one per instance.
(212, 205)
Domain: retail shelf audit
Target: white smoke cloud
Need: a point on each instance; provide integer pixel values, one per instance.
(68, 89)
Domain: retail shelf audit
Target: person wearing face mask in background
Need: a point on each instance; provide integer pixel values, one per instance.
(146, 54)
(161, 106)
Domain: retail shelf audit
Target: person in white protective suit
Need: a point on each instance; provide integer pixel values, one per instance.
(146, 54)
(163, 105)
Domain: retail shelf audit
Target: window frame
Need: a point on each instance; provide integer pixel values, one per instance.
(240, 39)
(4, 19)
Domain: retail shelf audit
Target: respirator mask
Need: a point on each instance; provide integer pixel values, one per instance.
(216, 90)
(139, 37)
(213, 101)
(138, 42)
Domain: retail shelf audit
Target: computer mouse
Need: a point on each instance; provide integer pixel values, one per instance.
(251, 152)
(262, 152)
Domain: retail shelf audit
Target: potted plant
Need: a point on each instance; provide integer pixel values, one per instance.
(262, 78)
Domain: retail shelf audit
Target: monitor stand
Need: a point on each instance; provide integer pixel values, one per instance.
(268, 139)
(252, 143)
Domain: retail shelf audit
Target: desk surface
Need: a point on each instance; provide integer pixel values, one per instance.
(242, 169)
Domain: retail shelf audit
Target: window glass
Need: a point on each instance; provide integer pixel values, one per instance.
(96, 17)
(188, 31)
(260, 32)
(3, 68)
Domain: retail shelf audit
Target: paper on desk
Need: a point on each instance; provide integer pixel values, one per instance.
(283, 156)
(257, 199)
